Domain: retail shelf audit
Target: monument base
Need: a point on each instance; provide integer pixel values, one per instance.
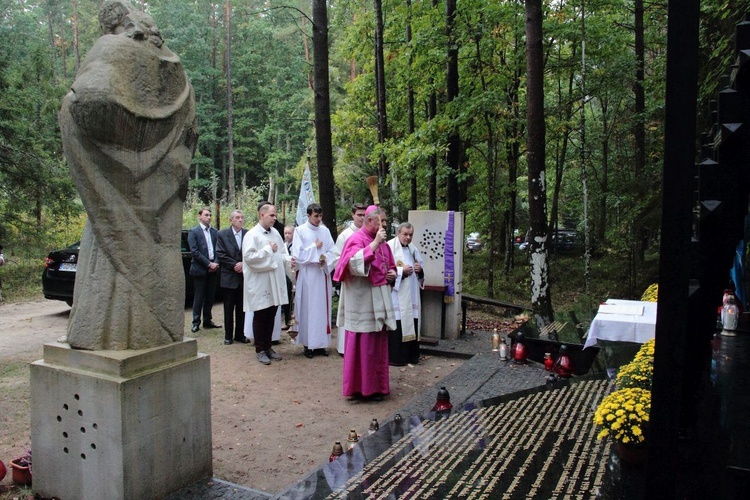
(440, 320)
(120, 424)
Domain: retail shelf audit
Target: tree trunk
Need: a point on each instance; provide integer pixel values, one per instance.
(453, 194)
(513, 132)
(639, 126)
(308, 59)
(494, 238)
(432, 160)
(51, 33)
(584, 174)
(512, 153)
(410, 111)
(213, 21)
(601, 229)
(76, 51)
(380, 98)
(324, 149)
(230, 118)
(565, 107)
(541, 298)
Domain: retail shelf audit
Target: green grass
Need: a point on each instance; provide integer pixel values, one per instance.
(12, 492)
(13, 370)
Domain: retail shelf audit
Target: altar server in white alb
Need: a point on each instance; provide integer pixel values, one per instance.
(313, 254)
(403, 343)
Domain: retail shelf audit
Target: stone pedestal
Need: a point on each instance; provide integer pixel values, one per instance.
(120, 424)
(439, 320)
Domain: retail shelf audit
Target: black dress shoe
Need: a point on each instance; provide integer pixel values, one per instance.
(228, 342)
(194, 329)
(243, 340)
(211, 324)
(322, 352)
(308, 353)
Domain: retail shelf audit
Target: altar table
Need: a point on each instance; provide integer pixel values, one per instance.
(623, 321)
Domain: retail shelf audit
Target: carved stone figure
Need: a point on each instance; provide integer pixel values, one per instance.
(129, 132)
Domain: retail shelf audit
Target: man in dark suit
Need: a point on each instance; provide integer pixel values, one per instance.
(204, 269)
(229, 255)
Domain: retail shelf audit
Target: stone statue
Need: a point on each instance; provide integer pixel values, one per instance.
(129, 132)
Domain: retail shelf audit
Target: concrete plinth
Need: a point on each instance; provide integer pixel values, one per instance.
(120, 424)
(440, 320)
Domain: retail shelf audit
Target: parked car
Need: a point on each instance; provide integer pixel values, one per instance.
(473, 242)
(59, 275)
(563, 240)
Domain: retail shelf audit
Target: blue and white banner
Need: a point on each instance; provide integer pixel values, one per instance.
(306, 196)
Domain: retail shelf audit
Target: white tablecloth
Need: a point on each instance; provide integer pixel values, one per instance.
(623, 327)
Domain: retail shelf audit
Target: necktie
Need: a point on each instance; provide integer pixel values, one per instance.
(209, 244)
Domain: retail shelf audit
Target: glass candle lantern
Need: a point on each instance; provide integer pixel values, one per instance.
(519, 351)
(563, 366)
(548, 361)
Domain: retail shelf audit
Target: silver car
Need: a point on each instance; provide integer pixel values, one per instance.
(473, 242)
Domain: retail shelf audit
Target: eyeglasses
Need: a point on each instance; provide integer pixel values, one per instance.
(359, 215)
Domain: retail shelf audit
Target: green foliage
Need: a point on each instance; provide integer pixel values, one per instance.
(272, 119)
(246, 200)
(25, 250)
(36, 191)
(21, 279)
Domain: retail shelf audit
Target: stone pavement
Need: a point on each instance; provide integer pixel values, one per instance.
(482, 377)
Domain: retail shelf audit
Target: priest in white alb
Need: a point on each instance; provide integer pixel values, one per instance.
(403, 343)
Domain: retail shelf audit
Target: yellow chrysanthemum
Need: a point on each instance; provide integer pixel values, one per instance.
(651, 294)
(623, 415)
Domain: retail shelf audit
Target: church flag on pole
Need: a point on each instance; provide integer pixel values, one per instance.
(306, 196)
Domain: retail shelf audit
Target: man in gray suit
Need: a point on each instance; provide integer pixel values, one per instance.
(229, 255)
(204, 269)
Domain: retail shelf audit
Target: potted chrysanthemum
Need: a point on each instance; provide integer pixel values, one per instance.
(623, 416)
(651, 294)
(646, 350)
(637, 373)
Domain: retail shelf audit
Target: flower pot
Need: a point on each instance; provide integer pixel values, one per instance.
(3, 470)
(21, 473)
(633, 454)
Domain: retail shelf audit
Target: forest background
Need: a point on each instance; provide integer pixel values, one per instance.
(430, 96)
